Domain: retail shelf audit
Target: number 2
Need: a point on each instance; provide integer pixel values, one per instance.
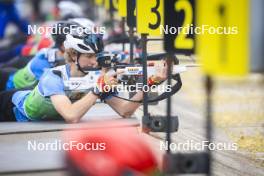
(181, 40)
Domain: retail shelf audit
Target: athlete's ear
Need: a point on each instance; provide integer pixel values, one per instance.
(74, 58)
(74, 55)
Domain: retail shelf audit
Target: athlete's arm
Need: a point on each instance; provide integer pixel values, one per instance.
(125, 108)
(73, 112)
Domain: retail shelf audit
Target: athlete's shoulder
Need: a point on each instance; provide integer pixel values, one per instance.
(51, 73)
(51, 83)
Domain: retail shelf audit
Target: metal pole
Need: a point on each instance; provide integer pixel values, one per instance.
(209, 87)
(123, 31)
(145, 75)
(111, 18)
(131, 42)
(168, 132)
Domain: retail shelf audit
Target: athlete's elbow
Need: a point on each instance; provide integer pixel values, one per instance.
(127, 114)
(71, 119)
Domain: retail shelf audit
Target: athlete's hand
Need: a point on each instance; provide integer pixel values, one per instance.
(107, 81)
(161, 73)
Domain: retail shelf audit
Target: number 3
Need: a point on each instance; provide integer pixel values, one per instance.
(155, 10)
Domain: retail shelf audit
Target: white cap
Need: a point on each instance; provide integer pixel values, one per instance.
(84, 22)
(77, 43)
(69, 8)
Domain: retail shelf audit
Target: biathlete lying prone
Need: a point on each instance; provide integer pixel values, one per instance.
(49, 100)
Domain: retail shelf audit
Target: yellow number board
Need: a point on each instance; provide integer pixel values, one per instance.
(149, 17)
(115, 4)
(122, 8)
(179, 19)
(107, 4)
(99, 2)
(226, 51)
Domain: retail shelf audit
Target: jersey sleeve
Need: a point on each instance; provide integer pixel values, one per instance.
(51, 84)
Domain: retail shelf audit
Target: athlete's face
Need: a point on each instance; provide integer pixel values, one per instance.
(88, 60)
